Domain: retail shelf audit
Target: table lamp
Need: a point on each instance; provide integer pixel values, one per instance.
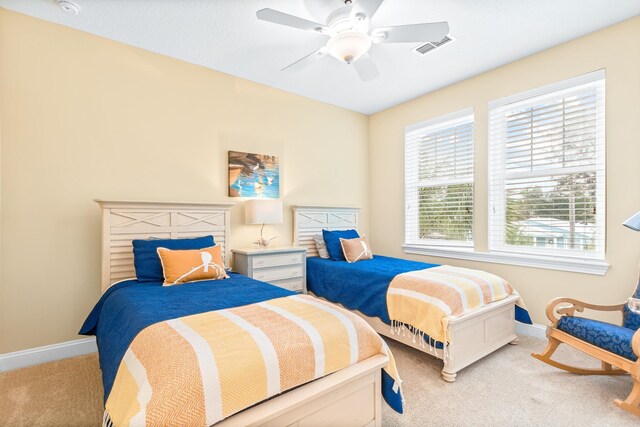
(263, 211)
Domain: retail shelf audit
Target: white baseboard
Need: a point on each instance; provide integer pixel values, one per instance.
(535, 330)
(47, 353)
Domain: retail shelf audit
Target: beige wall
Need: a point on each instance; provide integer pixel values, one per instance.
(617, 49)
(84, 117)
(2, 320)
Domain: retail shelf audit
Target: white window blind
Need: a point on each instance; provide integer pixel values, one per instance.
(439, 181)
(547, 170)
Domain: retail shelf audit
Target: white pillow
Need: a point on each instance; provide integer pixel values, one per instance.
(320, 246)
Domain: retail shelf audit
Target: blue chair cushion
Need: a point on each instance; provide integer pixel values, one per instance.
(613, 338)
(332, 242)
(147, 262)
(631, 319)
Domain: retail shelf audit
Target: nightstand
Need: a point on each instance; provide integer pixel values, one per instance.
(284, 267)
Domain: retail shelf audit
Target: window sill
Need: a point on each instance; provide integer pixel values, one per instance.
(575, 265)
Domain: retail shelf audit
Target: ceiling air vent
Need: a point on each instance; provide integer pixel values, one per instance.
(425, 48)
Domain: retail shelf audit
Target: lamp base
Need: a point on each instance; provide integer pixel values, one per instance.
(263, 242)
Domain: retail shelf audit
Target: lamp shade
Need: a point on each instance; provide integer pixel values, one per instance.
(263, 211)
(633, 222)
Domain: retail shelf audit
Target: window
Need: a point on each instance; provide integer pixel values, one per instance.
(547, 170)
(439, 181)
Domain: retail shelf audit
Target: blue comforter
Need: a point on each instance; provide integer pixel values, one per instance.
(128, 307)
(363, 285)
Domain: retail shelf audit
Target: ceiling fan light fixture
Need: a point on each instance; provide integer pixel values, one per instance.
(348, 46)
(350, 34)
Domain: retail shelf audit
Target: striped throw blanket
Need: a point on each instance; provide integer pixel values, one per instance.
(424, 299)
(197, 370)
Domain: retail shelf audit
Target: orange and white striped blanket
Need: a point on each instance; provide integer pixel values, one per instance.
(425, 299)
(199, 369)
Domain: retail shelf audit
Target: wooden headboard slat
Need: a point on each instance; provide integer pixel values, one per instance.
(310, 220)
(124, 221)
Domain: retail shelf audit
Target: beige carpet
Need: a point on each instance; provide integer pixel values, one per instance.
(507, 388)
(64, 393)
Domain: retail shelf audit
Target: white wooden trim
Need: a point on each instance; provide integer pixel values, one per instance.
(325, 208)
(536, 330)
(342, 398)
(498, 174)
(137, 204)
(47, 353)
(473, 335)
(310, 220)
(413, 136)
(444, 120)
(555, 262)
(124, 221)
(553, 87)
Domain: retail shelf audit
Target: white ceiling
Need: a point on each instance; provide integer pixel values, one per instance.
(225, 35)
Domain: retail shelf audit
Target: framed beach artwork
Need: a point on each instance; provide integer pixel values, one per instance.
(253, 175)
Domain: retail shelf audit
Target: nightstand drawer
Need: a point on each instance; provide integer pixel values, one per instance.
(276, 260)
(296, 285)
(283, 267)
(278, 273)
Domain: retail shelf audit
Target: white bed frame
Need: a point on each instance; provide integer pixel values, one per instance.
(473, 335)
(350, 397)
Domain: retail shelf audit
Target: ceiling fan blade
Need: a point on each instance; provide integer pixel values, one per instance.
(282, 18)
(415, 33)
(306, 60)
(368, 8)
(366, 68)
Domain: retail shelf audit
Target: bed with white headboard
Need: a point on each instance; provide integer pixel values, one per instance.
(330, 399)
(473, 335)
(124, 221)
(310, 220)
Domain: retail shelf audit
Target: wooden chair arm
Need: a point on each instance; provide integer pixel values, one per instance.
(635, 344)
(562, 306)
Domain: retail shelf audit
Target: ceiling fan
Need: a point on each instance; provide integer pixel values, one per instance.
(350, 35)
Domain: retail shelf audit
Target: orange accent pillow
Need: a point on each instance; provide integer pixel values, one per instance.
(182, 266)
(356, 249)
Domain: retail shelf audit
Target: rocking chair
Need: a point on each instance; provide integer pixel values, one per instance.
(618, 347)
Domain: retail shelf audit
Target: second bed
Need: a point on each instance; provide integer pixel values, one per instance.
(362, 288)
